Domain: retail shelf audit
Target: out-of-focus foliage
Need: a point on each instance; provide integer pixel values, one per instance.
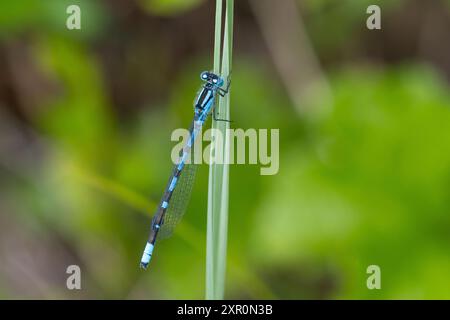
(371, 186)
(79, 177)
(49, 17)
(332, 23)
(168, 7)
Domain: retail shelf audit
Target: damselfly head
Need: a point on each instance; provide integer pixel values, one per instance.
(211, 78)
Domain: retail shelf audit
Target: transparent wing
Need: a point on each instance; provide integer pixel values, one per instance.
(179, 201)
(180, 197)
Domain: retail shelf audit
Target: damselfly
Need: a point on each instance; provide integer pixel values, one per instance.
(179, 187)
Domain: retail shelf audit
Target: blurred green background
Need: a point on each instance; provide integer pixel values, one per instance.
(364, 118)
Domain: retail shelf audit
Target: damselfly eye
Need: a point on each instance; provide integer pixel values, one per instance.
(215, 80)
(204, 75)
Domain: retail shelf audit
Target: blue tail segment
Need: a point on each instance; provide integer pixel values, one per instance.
(147, 255)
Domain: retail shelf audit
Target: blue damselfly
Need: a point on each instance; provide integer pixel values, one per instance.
(179, 187)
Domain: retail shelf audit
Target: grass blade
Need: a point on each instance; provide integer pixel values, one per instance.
(217, 224)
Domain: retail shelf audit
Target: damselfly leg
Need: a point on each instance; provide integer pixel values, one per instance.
(222, 92)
